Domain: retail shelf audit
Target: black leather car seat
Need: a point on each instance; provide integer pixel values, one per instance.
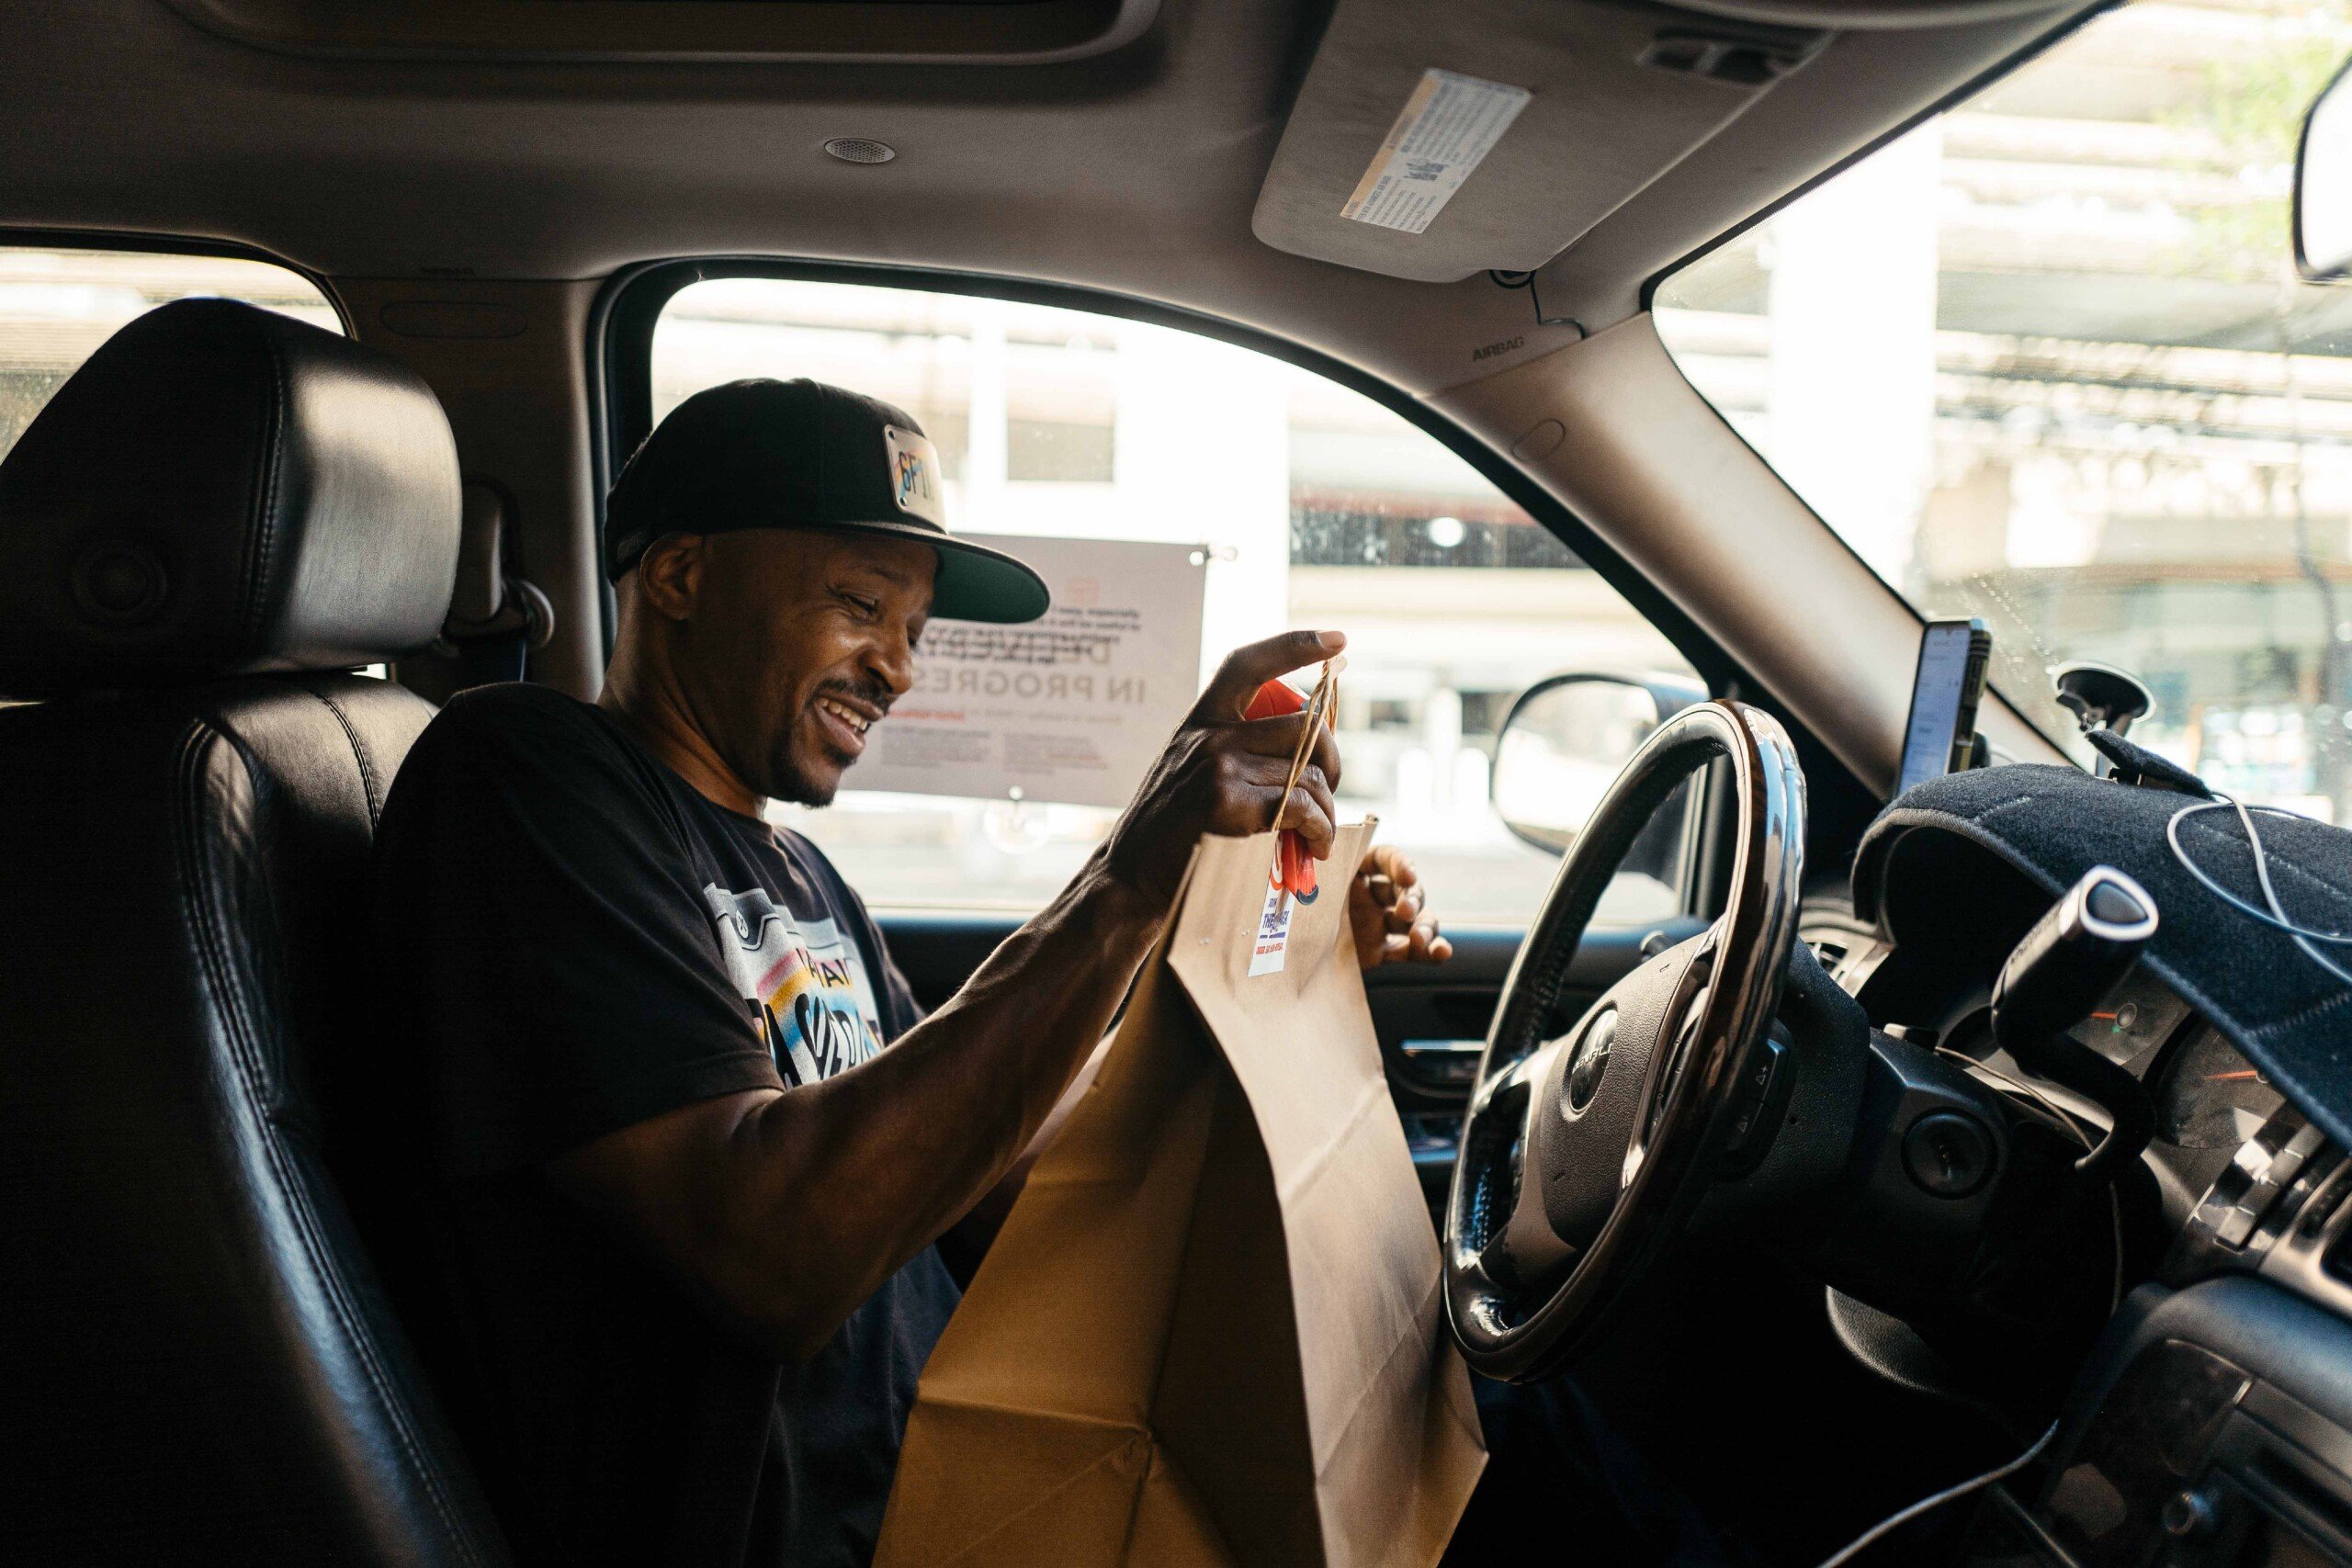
(218, 514)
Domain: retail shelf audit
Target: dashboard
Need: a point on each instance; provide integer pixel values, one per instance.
(2209, 1099)
(2211, 1421)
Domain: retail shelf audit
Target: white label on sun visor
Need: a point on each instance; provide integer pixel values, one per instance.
(914, 474)
(1448, 125)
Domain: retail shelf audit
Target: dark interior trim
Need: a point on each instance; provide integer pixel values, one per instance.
(883, 32)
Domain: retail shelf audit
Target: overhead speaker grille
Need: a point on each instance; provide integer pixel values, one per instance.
(861, 149)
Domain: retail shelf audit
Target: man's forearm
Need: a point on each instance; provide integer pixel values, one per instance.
(878, 1161)
(787, 1209)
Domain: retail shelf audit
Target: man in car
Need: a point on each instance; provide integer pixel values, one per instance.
(675, 1227)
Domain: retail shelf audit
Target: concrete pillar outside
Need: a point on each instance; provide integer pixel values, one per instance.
(1853, 355)
(986, 443)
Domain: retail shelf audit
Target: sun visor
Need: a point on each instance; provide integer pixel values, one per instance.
(1436, 142)
(1912, 872)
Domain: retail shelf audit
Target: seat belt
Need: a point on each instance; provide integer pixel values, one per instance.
(495, 617)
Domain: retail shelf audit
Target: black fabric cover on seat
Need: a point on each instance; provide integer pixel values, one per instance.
(197, 1363)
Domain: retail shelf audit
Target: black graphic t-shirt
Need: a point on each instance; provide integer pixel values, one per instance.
(575, 942)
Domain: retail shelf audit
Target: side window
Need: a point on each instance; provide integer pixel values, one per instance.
(1313, 505)
(58, 306)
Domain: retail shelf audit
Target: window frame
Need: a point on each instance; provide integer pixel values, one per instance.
(2017, 62)
(1646, 302)
(626, 312)
(158, 244)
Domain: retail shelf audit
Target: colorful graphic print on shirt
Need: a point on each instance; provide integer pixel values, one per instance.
(805, 982)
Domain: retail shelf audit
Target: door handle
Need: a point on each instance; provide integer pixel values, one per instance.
(1443, 1064)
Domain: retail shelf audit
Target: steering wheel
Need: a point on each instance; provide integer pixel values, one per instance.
(1583, 1154)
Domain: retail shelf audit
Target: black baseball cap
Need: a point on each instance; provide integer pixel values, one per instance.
(768, 454)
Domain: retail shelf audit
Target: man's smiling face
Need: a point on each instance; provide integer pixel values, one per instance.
(796, 645)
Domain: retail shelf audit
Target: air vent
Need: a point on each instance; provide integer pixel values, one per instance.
(1737, 62)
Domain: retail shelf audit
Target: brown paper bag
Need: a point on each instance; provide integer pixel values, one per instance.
(1210, 1331)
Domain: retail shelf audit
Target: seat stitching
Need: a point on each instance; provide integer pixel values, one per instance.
(245, 1051)
(367, 782)
(264, 541)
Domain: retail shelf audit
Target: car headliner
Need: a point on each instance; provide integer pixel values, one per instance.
(514, 187)
(1135, 171)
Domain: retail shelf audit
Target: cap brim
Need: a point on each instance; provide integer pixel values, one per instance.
(975, 583)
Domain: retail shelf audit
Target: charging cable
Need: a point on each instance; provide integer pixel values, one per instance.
(2306, 938)
(1885, 1527)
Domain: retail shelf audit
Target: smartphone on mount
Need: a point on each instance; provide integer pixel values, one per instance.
(1941, 737)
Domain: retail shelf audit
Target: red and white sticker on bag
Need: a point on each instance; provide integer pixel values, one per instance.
(1274, 932)
(1291, 879)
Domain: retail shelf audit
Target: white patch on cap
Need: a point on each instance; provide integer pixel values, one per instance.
(914, 475)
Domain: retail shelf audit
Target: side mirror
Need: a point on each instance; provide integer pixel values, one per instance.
(1564, 741)
(2324, 186)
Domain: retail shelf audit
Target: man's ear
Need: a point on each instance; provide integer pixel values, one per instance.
(669, 575)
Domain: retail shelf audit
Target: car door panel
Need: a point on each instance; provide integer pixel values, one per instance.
(1431, 1019)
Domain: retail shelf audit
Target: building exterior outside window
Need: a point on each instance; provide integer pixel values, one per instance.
(2046, 361)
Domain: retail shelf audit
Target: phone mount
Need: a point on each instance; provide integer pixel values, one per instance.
(2101, 696)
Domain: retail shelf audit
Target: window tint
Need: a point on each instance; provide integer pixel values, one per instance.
(2046, 361)
(1318, 508)
(58, 306)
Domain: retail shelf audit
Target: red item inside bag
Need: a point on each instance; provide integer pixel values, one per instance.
(1293, 868)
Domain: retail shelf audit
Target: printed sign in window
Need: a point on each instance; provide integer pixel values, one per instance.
(1071, 708)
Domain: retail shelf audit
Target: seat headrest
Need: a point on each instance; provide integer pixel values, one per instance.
(223, 491)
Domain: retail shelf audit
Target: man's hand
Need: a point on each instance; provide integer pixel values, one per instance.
(1223, 773)
(1387, 913)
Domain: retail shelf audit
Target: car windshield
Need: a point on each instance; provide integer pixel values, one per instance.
(2046, 361)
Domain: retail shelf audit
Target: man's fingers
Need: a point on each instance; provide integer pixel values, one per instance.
(1388, 861)
(1326, 755)
(1401, 915)
(1251, 666)
(1425, 945)
(1279, 738)
(1311, 810)
(1310, 814)
(1389, 913)
(1275, 737)
(1258, 803)
(1422, 944)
